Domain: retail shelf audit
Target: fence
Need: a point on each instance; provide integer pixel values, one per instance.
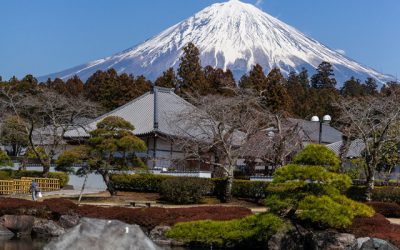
(22, 186)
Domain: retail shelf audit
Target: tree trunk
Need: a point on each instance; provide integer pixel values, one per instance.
(227, 197)
(46, 168)
(343, 151)
(109, 184)
(82, 189)
(370, 187)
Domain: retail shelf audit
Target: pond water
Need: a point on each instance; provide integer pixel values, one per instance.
(28, 243)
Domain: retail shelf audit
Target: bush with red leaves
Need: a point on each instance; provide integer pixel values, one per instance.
(377, 226)
(387, 209)
(147, 218)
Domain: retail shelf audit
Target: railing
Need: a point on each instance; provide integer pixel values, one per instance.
(22, 186)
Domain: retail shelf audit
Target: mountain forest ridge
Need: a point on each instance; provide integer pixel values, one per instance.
(230, 35)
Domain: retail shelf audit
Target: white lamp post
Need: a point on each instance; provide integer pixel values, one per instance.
(326, 119)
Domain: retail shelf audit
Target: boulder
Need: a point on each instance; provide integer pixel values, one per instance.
(46, 228)
(292, 239)
(375, 244)
(330, 240)
(18, 224)
(5, 233)
(157, 235)
(102, 234)
(68, 221)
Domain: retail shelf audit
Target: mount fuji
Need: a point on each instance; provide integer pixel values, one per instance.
(230, 35)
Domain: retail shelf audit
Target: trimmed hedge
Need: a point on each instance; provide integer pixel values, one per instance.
(384, 194)
(254, 190)
(139, 182)
(9, 174)
(185, 190)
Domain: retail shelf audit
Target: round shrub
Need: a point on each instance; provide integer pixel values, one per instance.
(185, 190)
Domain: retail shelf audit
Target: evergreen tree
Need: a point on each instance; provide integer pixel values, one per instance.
(324, 78)
(255, 79)
(297, 89)
(74, 86)
(275, 96)
(190, 71)
(112, 91)
(352, 88)
(371, 87)
(220, 81)
(304, 79)
(168, 79)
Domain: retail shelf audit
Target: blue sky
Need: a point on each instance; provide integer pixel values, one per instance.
(45, 36)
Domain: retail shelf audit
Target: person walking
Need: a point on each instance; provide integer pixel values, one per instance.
(34, 189)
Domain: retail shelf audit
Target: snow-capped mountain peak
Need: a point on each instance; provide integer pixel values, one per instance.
(232, 35)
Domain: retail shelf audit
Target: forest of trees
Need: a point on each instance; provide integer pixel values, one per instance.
(298, 95)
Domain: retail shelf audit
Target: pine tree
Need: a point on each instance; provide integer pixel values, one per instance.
(324, 78)
(371, 86)
(74, 86)
(297, 89)
(255, 79)
(168, 79)
(190, 71)
(220, 81)
(275, 97)
(352, 88)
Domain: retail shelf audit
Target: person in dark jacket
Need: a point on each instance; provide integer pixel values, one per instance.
(34, 189)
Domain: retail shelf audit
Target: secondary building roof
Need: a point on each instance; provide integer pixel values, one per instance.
(152, 112)
(311, 132)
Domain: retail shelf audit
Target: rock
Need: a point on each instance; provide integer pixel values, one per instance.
(292, 239)
(330, 240)
(102, 234)
(68, 221)
(42, 227)
(375, 244)
(157, 235)
(18, 224)
(5, 233)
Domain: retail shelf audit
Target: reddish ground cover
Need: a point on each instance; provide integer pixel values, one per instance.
(378, 227)
(147, 218)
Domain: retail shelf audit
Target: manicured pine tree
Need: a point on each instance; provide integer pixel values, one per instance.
(190, 71)
(324, 78)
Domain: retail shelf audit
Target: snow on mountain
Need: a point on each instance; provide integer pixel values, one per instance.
(232, 35)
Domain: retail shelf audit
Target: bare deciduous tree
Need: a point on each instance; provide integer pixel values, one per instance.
(46, 116)
(374, 121)
(222, 130)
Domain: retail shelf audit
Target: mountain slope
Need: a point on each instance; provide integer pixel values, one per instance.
(230, 35)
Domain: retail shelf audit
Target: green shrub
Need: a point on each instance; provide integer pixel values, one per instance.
(185, 190)
(386, 194)
(63, 177)
(357, 193)
(255, 190)
(252, 231)
(139, 182)
(5, 174)
(317, 155)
